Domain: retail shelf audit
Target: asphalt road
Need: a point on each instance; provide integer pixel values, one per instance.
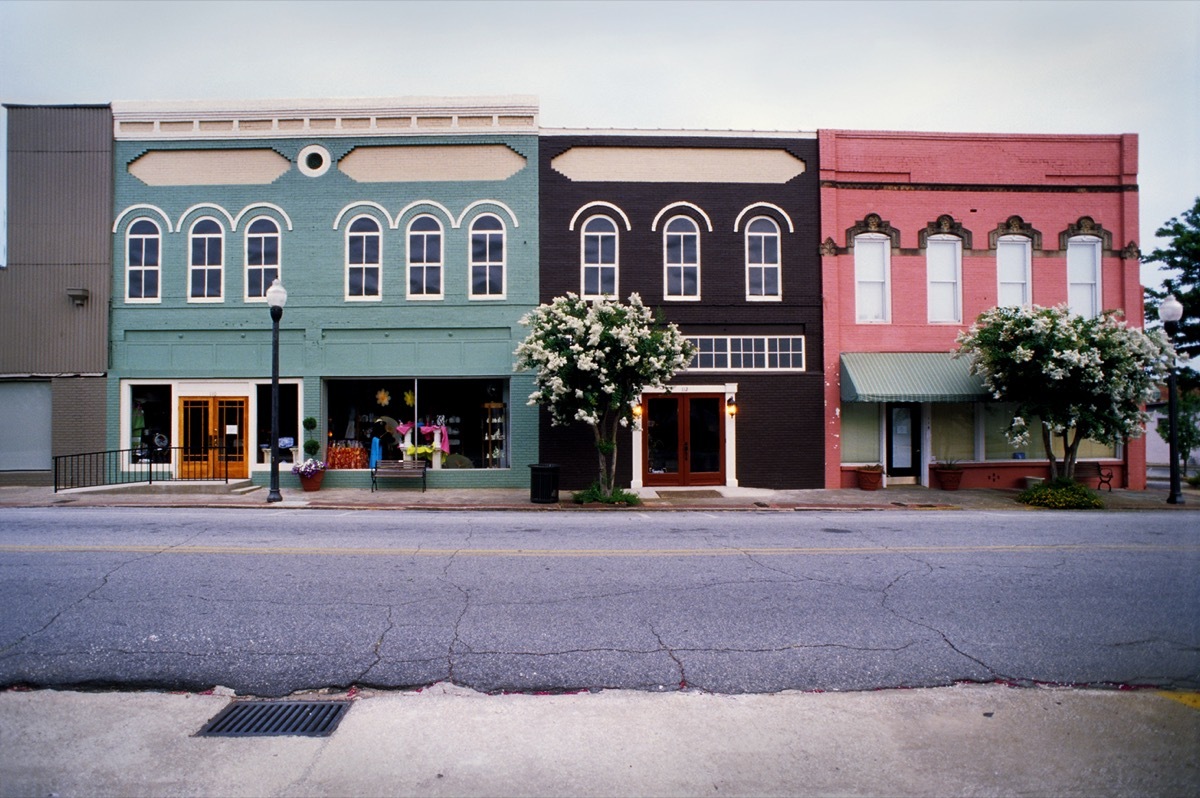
(271, 603)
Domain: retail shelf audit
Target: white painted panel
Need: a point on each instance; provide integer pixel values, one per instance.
(25, 409)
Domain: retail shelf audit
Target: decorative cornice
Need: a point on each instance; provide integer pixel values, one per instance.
(991, 188)
(945, 225)
(1086, 226)
(403, 116)
(1015, 226)
(873, 223)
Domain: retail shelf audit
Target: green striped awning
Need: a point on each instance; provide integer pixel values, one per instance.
(908, 377)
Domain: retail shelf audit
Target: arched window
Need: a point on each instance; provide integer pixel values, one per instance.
(1014, 255)
(1084, 295)
(487, 258)
(363, 254)
(262, 257)
(872, 277)
(425, 258)
(142, 265)
(681, 259)
(206, 274)
(599, 270)
(762, 259)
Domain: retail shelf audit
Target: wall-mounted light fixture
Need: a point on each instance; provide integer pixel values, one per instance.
(79, 296)
(637, 411)
(731, 406)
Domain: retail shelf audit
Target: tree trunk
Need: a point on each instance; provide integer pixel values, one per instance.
(1048, 444)
(606, 450)
(1072, 453)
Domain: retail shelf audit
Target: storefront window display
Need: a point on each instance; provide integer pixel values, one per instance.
(150, 422)
(468, 416)
(289, 422)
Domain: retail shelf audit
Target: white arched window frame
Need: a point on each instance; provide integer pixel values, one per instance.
(1014, 272)
(206, 261)
(426, 244)
(943, 279)
(681, 259)
(599, 253)
(873, 278)
(763, 257)
(263, 257)
(143, 262)
(1084, 289)
(364, 259)
(488, 257)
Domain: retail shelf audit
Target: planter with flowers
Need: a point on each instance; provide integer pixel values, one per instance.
(311, 473)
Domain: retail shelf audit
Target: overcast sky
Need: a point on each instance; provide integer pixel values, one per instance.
(1005, 67)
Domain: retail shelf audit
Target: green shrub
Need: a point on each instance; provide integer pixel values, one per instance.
(1193, 480)
(1062, 494)
(594, 494)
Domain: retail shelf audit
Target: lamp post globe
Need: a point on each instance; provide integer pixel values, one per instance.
(1170, 311)
(276, 299)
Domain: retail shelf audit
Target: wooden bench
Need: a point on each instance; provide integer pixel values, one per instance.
(398, 469)
(1088, 469)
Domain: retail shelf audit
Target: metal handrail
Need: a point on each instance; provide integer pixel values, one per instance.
(145, 464)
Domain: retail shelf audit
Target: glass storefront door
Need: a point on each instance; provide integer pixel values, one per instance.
(684, 440)
(212, 434)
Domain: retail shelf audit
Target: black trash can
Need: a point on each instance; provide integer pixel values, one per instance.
(543, 483)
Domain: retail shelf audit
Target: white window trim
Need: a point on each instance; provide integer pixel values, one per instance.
(802, 353)
(1094, 243)
(778, 266)
(205, 300)
(583, 265)
(1028, 277)
(958, 257)
(887, 280)
(699, 260)
(471, 295)
(154, 300)
(377, 297)
(441, 264)
(246, 259)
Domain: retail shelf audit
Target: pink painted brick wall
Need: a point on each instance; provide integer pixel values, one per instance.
(910, 179)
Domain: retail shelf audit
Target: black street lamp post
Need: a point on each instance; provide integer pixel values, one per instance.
(276, 298)
(1170, 312)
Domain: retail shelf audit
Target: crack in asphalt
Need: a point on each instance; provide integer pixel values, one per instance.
(377, 648)
(683, 683)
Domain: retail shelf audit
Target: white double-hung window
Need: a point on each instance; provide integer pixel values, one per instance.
(872, 277)
(762, 259)
(1013, 259)
(600, 258)
(1083, 275)
(943, 271)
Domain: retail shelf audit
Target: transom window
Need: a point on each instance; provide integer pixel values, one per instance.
(600, 268)
(262, 257)
(681, 259)
(363, 253)
(206, 273)
(943, 268)
(747, 353)
(487, 258)
(762, 259)
(142, 268)
(872, 277)
(1083, 275)
(425, 258)
(1013, 258)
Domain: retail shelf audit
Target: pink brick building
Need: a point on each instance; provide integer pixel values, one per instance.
(921, 233)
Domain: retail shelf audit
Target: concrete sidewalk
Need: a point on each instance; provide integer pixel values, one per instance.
(444, 740)
(245, 494)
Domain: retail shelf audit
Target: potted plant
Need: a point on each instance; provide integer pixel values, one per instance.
(870, 477)
(311, 473)
(949, 474)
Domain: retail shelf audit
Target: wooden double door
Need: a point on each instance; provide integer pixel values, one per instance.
(684, 440)
(212, 436)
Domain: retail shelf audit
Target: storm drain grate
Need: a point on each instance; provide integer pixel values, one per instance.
(276, 718)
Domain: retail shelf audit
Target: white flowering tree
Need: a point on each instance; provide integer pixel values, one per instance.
(592, 361)
(1080, 377)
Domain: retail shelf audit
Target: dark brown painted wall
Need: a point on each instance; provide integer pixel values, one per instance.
(780, 427)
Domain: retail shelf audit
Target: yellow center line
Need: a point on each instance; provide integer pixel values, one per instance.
(1187, 699)
(350, 551)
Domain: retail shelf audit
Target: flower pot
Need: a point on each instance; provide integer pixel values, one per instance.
(312, 483)
(869, 479)
(949, 478)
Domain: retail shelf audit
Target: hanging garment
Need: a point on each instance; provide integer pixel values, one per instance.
(376, 452)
